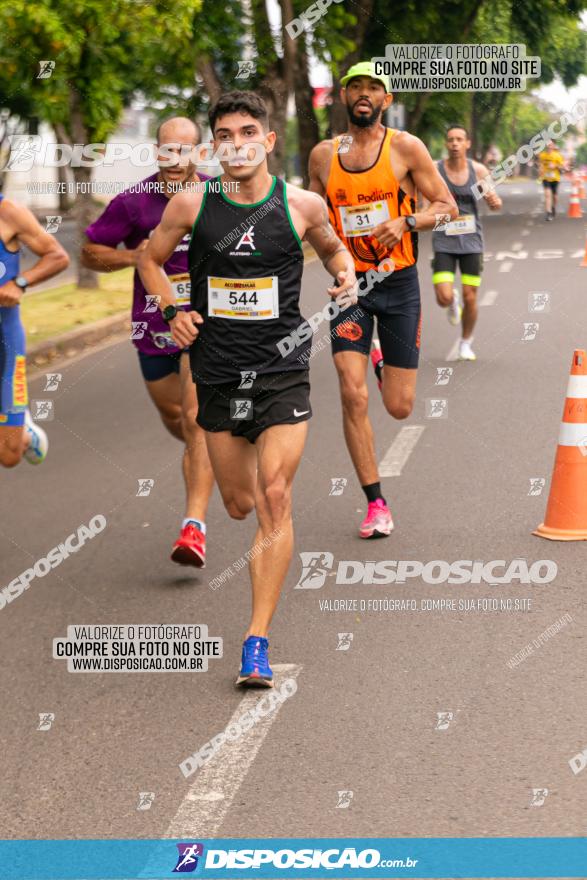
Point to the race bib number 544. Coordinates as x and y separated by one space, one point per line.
243 299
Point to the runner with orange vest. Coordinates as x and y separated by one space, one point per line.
370 178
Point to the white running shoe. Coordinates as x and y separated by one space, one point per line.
454 312
466 353
36 452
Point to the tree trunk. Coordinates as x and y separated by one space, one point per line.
476 110
83 209
83 212
275 93
64 178
414 117
362 9
212 84
276 85
308 132
481 128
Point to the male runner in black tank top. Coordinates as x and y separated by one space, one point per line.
246 266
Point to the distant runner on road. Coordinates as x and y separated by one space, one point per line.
19 435
246 266
370 177
130 219
550 164
461 241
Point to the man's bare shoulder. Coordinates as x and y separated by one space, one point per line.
323 149
321 156
184 205
17 215
310 204
480 169
407 144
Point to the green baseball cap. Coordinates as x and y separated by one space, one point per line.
365 68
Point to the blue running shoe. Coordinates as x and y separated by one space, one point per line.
255 669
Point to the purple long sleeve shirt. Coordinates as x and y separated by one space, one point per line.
129 219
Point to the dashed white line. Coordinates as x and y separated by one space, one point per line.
400 450
525 232
489 297
517 246
215 785
506 266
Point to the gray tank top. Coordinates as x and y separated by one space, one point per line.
470 242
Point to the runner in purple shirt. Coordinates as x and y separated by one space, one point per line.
129 219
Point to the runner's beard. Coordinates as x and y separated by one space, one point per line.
362 121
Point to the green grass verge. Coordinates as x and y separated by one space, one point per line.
50 313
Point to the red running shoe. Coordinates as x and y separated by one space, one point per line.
190 547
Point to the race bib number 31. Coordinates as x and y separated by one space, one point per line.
243 299
362 219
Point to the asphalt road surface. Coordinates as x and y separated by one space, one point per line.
420 718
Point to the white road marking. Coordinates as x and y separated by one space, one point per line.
525 232
400 450
517 192
215 785
489 297
453 354
517 246
506 266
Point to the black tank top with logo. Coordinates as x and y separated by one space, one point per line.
246 266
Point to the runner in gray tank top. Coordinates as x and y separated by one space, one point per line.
461 241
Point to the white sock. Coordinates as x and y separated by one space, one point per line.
198 524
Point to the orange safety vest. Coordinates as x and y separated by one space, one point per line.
351 195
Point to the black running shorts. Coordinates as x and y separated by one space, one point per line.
255 403
444 267
395 303
159 366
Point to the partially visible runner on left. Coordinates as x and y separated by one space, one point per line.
129 219
19 435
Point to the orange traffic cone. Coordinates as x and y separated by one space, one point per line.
574 203
566 511
584 263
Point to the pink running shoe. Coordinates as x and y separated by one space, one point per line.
377 361
190 547
378 522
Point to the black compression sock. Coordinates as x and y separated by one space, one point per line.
373 492
378 367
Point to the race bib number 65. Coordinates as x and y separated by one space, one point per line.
181 287
243 299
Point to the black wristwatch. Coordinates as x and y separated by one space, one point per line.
410 222
21 282
169 313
